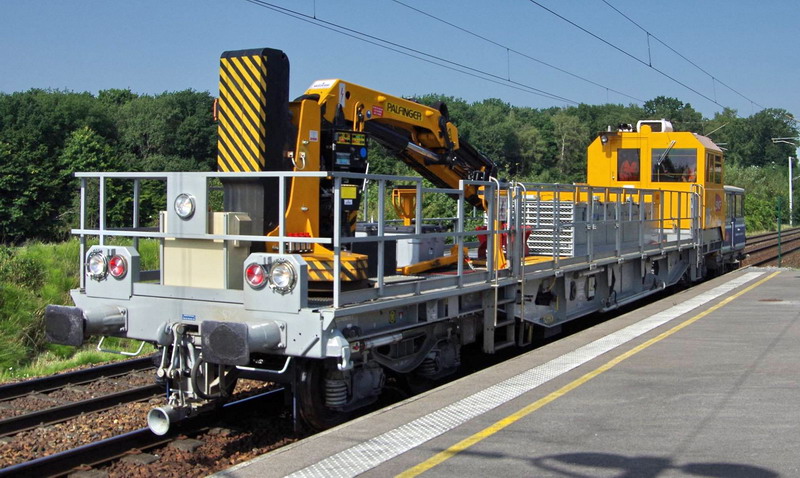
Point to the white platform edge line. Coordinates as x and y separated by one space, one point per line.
371 453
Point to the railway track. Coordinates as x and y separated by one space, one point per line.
105 451
762 249
78 377
86 402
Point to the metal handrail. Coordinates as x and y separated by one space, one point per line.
518 196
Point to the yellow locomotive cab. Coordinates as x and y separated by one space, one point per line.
653 156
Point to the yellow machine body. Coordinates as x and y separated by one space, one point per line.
666 160
259 130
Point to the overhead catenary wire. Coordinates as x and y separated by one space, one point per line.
509 49
411 52
650 34
626 53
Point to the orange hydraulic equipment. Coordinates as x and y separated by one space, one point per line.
325 129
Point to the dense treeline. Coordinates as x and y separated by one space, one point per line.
46 136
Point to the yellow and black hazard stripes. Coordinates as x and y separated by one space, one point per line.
320 268
242 113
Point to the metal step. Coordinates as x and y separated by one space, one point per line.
504 323
503 345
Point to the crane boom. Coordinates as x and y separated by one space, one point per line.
325 129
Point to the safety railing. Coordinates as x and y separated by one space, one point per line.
597 222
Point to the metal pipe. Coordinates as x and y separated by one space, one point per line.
423 152
460 230
82 248
381 227
136 187
282 214
102 207
160 419
337 245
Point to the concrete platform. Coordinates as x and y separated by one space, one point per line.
703 383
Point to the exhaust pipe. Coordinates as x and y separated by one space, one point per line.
159 419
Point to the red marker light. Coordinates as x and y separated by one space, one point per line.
255 275
117 267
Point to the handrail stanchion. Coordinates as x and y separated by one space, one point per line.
82 248
282 214
381 227
619 224
102 208
641 221
522 226
418 211
460 231
337 245
680 218
661 220
491 228
592 226
557 225
136 187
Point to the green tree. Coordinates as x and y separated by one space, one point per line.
157 129
34 127
749 140
571 137
85 150
682 115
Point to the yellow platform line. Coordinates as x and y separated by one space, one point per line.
527 410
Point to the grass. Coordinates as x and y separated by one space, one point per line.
31 277
50 362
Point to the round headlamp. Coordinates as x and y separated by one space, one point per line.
96 265
282 277
184 206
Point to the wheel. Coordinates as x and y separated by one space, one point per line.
310 395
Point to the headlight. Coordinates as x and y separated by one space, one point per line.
184 206
96 265
282 277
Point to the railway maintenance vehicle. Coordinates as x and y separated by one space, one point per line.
280 280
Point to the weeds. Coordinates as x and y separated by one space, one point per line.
31 277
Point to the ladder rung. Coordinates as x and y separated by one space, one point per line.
503 345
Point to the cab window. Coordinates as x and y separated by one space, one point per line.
730 204
674 165
628 165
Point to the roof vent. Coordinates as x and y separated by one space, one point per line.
656 126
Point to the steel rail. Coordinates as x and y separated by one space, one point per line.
771 236
784 242
54 382
64 412
773 258
105 451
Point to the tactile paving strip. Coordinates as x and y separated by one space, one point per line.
373 452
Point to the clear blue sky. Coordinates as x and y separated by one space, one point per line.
154 46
